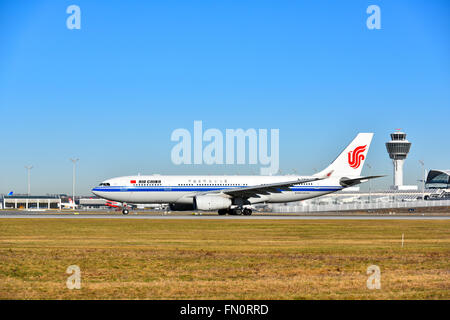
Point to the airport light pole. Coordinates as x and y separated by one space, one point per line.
370 180
74 161
423 181
28 174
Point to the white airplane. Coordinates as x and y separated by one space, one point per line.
68 205
237 194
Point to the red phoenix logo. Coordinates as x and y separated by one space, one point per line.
355 157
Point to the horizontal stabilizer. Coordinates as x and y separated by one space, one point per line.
346 182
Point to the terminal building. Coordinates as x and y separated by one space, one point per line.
438 179
61 201
31 202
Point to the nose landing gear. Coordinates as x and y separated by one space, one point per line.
125 211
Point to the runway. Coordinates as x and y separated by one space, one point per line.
210 217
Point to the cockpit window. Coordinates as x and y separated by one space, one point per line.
105 184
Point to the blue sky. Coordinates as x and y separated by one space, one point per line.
112 93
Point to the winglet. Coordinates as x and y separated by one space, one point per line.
346 182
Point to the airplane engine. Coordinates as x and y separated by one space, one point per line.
211 202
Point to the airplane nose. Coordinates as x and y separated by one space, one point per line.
94 192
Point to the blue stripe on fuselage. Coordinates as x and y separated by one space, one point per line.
200 188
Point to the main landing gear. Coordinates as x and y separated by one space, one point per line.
235 212
125 211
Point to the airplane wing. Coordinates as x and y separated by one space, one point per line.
351 182
263 189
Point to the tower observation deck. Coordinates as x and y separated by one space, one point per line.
398 149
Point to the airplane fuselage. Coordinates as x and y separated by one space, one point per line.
180 189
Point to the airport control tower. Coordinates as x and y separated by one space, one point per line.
398 149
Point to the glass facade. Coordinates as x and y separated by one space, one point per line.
398 136
438 179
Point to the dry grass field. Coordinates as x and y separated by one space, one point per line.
223 259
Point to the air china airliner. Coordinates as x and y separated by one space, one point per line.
236 195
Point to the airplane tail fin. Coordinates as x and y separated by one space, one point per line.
350 162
